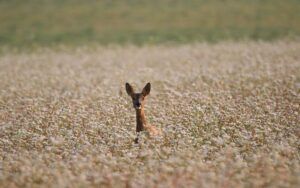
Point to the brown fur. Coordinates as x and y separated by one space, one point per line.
138 100
141 124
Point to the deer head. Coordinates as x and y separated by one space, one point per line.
138 99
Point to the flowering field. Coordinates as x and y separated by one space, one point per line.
229 113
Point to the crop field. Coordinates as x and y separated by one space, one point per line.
229 113
76 22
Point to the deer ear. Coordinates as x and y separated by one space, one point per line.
129 89
146 89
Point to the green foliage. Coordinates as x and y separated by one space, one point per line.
47 22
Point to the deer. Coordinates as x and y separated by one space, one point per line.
138 101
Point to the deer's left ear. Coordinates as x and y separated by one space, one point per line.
129 89
146 89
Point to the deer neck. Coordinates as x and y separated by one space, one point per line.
140 120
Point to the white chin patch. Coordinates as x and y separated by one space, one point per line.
137 108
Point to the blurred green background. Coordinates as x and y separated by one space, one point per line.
77 22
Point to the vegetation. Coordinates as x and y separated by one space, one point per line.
229 113
74 22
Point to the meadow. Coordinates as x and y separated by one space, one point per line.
34 23
229 112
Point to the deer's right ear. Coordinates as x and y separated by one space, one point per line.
146 89
129 89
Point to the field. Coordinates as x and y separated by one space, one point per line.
75 22
229 112
225 78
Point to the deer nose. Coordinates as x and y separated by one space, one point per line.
138 104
